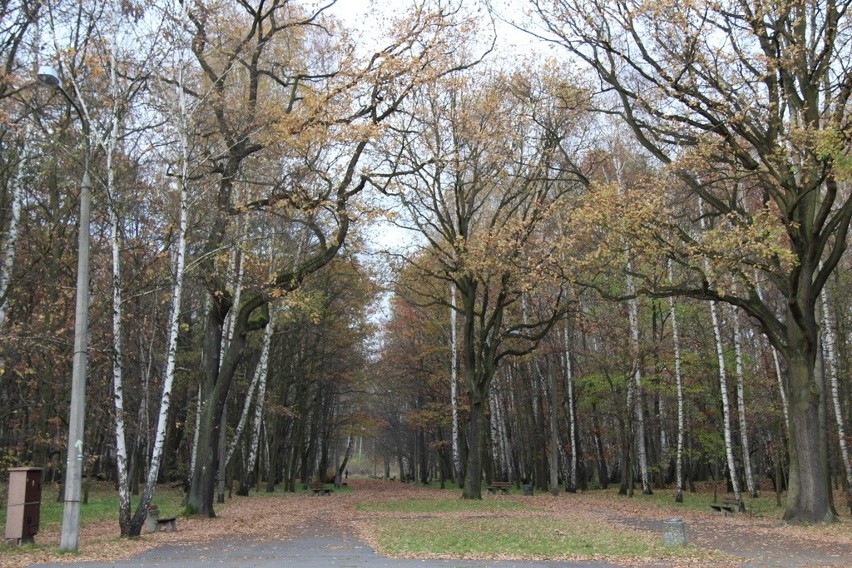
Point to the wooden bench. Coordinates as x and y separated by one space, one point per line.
728 505
320 489
496 486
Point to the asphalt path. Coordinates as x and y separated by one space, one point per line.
315 547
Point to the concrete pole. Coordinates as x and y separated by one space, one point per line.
49 77
77 413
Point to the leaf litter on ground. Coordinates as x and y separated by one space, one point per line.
366 512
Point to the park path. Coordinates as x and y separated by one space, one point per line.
328 531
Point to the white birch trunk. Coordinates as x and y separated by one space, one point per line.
726 407
193 455
665 450
254 445
723 383
572 420
636 378
780 379
11 242
833 375
679 387
259 377
738 350
235 281
177 293
496 445
117 309
117 331
554 433
454 376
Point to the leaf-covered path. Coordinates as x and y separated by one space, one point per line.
312 531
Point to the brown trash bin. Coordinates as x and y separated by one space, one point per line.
23 509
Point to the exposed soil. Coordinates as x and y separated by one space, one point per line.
755 541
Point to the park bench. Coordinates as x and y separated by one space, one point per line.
155 523
499 486
728 505
169 524
320 489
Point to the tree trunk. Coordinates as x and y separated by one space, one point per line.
726 407
738 350
571 482
833 377
679 387
636 379
603 467
216 383
10 244
341 470
473 479
626 485
124 505
554 434
221 451
454 379
260 375
808 496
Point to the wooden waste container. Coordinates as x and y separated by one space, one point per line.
24 505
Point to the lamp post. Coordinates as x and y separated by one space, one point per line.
74 465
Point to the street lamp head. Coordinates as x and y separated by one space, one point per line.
47 75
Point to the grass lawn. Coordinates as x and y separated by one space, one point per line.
763 506
102 504
438 505
449 527
521 538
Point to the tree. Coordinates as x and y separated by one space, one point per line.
485 192
746 103
295 101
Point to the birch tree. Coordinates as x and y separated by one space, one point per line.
726 404
828 333
679 393
454 377
634 385
741 408
131 522
11 234
571 482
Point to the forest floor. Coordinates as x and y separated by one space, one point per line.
742 539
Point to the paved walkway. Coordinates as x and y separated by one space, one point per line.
316 547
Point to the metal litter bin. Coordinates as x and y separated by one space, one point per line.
23 509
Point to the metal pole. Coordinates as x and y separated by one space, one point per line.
74 464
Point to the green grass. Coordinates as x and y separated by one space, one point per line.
439 505
516 537
763 506
102 505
